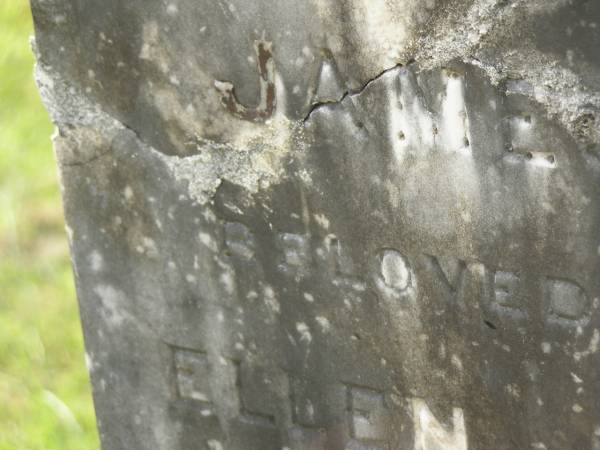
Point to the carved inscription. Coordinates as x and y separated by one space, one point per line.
313 416
394 277
296 254
192 372
431 435
267 102
369 418
239 240
506 294
565 302
313 426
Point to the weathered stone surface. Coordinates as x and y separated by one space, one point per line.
332 225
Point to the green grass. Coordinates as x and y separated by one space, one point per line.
45 398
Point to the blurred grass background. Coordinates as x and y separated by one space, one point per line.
45 398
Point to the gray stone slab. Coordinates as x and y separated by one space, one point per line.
332 225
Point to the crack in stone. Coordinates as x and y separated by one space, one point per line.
350 92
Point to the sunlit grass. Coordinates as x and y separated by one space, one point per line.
45 399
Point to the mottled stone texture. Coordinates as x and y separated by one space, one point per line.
332 225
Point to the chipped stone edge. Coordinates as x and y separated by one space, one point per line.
257 165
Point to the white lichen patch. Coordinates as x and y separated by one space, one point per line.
592 346
271 301
227 280
546 347
457 362
322 220
213 444
323 323
96 261
190 278
304 332
113 303
208 241
308 297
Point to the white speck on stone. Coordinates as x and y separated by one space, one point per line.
592 347
305 176
208 241
227 281
270 300
172 9
190 278
576 379
304 332
308 297
456 362
310 410
322 221
149 247
577 408
213 444
513 390
96 261
323 323
112 304
128 192
546 347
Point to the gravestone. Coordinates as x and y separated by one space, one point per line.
326 225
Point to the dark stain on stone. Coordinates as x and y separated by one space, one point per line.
268 100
